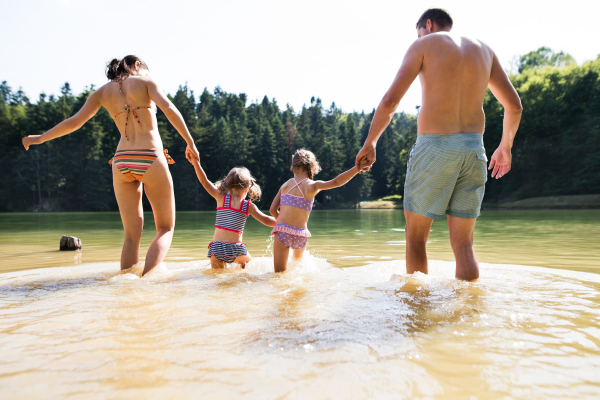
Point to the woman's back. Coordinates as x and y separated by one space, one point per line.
128 102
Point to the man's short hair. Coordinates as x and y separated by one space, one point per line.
438 16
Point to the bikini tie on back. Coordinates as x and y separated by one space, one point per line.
127 109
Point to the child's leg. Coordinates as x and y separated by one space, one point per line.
280 255
216 264
243 260
297 254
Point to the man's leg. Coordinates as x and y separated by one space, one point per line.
461 239
417 232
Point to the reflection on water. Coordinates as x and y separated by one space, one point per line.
566 239
316 331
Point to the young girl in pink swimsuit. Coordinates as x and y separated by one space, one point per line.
232 211
293 203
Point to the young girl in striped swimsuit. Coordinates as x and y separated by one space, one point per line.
292 211
232 211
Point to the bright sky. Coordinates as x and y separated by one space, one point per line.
345 51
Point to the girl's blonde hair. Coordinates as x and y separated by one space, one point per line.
305 160
240 178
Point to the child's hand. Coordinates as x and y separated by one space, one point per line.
365 158
191 153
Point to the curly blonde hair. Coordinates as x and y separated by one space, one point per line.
240 178
305 160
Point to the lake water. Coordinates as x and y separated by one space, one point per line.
344 322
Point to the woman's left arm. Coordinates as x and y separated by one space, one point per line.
89 109
260 217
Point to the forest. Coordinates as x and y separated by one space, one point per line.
556 151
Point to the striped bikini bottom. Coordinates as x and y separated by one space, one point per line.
227 252
133 163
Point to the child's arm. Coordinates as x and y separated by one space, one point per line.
274 210
208 185
338 181
260 217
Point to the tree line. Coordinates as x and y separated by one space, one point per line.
556 150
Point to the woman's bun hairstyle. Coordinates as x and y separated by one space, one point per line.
117 69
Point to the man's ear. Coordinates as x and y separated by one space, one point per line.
429 26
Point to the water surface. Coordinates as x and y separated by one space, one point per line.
344 322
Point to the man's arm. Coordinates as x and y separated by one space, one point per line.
506 94
410 68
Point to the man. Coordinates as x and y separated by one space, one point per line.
446 171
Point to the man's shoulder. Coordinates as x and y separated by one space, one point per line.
446 39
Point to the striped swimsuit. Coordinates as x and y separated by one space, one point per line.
133 163
234 220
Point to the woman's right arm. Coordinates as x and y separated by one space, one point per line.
89 109
208 185
174 117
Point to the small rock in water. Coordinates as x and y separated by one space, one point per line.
70 243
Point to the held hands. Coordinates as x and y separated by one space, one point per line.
365 158
501 161
31 139
191 153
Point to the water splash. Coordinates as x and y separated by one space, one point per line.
313 332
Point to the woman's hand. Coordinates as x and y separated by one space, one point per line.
31 139
191 153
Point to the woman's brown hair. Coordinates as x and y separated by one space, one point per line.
240 178
305 160
117 69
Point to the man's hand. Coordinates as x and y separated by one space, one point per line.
29 140
365 158
191 153
501 161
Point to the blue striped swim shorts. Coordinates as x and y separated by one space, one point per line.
446 174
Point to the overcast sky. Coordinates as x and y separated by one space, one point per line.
344 51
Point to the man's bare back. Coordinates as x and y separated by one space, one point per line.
454 78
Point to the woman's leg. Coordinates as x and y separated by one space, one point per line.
280 255
129 199
158 186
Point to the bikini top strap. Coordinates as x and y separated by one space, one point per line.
297 185
120 80
226 201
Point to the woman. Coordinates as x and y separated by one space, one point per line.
130 98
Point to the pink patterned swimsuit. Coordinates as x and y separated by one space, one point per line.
291 236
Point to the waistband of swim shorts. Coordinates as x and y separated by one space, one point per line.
464 138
